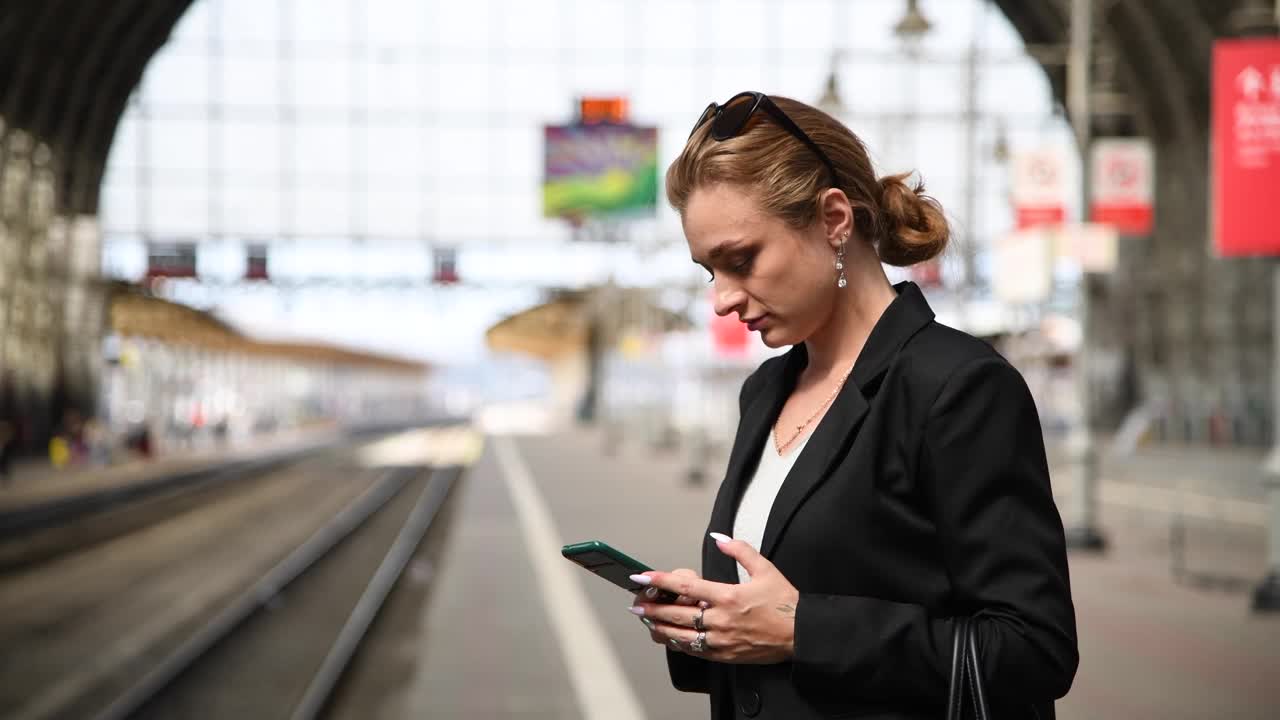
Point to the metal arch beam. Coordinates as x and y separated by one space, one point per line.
29 57
1198 30
1168 105
1166 108
1137 51
9 24
48 86
53 84
13 90
1216 14
11 42
1182 76
94 63
1039 23
108 105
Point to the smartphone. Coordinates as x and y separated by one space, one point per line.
612 565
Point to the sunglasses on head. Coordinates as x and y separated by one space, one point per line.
729 119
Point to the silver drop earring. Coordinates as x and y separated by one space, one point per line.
841 281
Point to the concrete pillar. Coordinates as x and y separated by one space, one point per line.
1266 597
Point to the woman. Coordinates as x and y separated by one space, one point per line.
888 473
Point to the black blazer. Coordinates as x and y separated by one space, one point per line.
923 494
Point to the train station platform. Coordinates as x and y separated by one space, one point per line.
509 629
36 481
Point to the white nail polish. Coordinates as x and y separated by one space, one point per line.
641 579
651 593
721 537
637 610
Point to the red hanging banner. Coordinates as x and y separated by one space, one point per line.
1246 147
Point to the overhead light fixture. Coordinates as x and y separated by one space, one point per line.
913 25
1000 147
830 102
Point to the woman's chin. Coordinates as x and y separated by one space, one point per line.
774 338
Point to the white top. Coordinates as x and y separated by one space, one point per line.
757 499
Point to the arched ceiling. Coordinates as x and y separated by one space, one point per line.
1162 52
67 68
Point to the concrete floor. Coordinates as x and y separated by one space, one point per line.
477 628
1150 647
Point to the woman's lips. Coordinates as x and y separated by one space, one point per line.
756 323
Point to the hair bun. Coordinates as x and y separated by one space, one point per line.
913 226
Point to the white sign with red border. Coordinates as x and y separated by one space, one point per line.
1122 184
1040 187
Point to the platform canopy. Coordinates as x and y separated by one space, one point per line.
562 325
134 313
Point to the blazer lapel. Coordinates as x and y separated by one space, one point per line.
904 317
829 441
908 313
753 432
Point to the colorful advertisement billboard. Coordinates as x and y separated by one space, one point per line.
600 170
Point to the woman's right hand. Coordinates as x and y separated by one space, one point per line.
644 596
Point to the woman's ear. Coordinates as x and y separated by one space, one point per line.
837 215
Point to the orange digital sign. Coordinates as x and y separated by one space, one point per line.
592 110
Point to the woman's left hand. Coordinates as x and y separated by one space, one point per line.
751 623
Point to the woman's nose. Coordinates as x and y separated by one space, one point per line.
727 299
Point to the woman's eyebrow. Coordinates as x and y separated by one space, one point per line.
720 249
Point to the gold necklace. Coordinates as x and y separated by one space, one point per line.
800 428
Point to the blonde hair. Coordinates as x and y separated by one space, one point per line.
785 177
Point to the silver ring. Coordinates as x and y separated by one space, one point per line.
699 643
697 620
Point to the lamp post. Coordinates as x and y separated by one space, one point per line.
1082 533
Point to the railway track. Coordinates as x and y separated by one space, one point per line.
253 611
46 531
281 648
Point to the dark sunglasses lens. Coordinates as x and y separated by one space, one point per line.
706 115
733 117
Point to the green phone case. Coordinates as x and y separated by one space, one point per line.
622 558
611 564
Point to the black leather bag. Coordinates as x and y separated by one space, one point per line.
966 676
